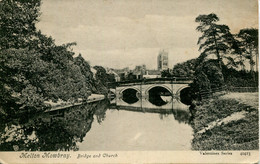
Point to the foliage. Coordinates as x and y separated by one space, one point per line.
213 72
239 58
102 79
207 77
201 83
242 78
28 80
230 51
86 71
216 39
166 73
185 69
18 92
17 22
130 76
33 68
249 41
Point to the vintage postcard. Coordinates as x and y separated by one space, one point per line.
129 81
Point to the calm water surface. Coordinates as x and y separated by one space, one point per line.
126 130
100 126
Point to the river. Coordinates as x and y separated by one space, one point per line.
100 126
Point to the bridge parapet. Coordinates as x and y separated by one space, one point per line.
155 82
152 81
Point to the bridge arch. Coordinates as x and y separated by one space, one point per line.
158 85
156 90
181 88
159 94
130 95
130 87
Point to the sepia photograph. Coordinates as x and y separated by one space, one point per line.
96 80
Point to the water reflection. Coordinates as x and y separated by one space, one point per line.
100 126
140 126
57 130
181 115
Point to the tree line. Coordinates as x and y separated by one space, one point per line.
223 57
229 49
34 69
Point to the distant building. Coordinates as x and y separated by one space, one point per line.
162 60
139 71
122 73
150 74
111 71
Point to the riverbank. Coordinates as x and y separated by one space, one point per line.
229 122
63 104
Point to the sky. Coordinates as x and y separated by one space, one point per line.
126 33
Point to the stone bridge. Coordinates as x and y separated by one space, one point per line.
143 91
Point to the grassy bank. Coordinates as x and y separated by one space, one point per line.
240 134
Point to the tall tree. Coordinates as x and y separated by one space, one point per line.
249 39
238 50
215 39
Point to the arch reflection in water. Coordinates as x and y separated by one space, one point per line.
182 115
53 131
186 95
159 96
132 127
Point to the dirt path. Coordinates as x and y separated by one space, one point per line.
232 117
249 98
